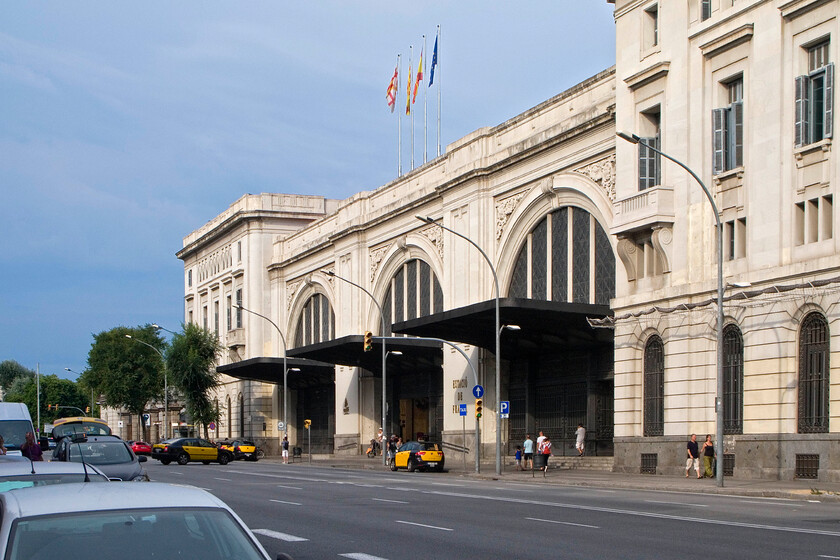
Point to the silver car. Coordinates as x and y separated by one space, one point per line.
110 454
153 521
20 472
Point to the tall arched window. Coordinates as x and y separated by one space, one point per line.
414 292
654 388
813 374
316 322
733 380
567 257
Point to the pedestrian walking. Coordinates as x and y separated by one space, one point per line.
545 451
708 452
692 456
518 457
285 450
528 452
580 437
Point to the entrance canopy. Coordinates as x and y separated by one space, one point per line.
270 370
349 351
544 325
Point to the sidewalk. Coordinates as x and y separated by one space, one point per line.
788 489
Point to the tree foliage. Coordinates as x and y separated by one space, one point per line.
10 370
127 372
190 361
54 391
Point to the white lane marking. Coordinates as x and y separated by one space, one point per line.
361 556
788 504
824 556
225 479
426 526
562 523
302 478
447 484
176 472
289 487
280 536
676 503
390 501
520 501
282 502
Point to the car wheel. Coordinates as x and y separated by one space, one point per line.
224 459
393 466
260 454
411 466
183 459
165 461
206 462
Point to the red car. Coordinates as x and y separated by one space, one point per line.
140 447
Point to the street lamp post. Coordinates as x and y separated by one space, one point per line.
498 333
165 386
91 391
285 367
384 353
634 139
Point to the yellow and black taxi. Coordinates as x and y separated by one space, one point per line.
186 449
242 449
418 455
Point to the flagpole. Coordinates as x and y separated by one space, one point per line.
425 88
411 112
438 90
399 121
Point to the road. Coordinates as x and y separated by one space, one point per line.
320 512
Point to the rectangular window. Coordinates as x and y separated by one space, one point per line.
652 26
204 318
228 313
826 219
238 309
705 9
239 251
189 278
190 317
728 130
814 106
216 316
649 160
799 223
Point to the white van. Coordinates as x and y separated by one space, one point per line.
15 421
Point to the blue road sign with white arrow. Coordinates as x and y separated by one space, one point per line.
478 391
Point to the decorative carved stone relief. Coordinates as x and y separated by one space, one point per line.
435 235
627 253
603 173
661 239
291 290
330 278
376 258
504 208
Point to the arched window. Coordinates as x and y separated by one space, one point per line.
654 388
414 292
568 239
813 374
733 380
316 322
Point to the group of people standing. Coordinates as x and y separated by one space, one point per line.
527 450
693 454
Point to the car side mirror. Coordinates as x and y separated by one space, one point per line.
142 459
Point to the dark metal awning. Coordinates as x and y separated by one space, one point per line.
349 351
545 325
270 370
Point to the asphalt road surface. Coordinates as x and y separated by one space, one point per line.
321 512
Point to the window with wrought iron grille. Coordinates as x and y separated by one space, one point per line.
316 322
414 292
654 388
733 380
728 130
813 374
814 101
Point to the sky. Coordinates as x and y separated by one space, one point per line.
124 126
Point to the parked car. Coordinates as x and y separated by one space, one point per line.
20 472
140 447
110 454
243 449
418 455
125 521
184 450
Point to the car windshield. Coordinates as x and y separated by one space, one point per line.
209 534
90 427
100 453
29 480
429 446
14 432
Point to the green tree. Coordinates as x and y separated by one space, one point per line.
10 370
127 372
65 393
190 361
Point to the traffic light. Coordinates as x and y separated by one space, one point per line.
307 423
478 405
49 407
368 345
87 410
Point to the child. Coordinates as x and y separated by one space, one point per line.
518 457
